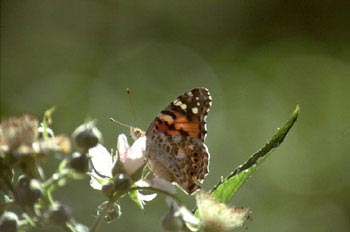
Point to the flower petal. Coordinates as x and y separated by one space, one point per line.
191 222
101 160
157 183
122 147
96 182
134 158
146 197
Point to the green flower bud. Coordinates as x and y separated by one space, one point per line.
28 191
87 136
172 222
108 189
59 214
122 182
79 162
8 222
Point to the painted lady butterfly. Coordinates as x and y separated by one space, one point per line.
175 140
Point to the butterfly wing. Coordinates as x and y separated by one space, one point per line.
175 140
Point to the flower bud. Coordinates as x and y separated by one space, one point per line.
87 136
122 182
179 218
79 162
172 222
28 191
108 189
59 214
8 222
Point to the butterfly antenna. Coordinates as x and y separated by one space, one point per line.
130 102
120 123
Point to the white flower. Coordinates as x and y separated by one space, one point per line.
132 158
219 216
157 183
179 218
102 162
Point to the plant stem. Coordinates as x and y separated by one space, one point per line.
29 219
100 216
105 210
55 178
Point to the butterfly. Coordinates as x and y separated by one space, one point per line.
175 146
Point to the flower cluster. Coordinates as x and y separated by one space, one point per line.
24 145
120 172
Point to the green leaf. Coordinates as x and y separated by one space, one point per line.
134 196
226 188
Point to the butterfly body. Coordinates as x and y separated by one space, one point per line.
175 146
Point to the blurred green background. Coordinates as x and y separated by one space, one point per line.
258 59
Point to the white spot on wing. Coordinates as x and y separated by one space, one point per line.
168 119
177 102
195 110
183 106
